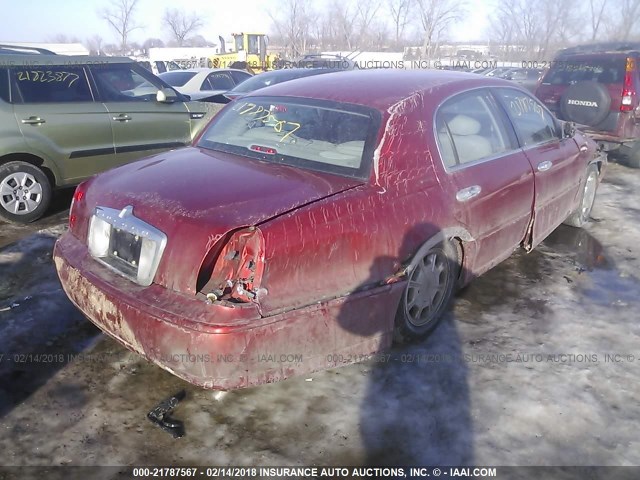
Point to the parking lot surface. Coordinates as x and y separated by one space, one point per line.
536 364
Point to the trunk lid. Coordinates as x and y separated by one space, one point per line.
196 196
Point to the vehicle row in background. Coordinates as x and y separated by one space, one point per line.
205 83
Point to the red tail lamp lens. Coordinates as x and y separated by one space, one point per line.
78 196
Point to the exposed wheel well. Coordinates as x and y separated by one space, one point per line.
33 160
458 244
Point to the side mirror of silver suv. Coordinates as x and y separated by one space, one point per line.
166 95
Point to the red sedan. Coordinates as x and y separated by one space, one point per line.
315 221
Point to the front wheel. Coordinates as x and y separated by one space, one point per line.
25 192
580 216
426 296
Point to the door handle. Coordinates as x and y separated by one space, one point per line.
33 121
584 148
468 193
123 117
544 166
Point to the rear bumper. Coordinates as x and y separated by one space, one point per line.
225 347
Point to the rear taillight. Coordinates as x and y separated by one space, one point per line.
238 270
76 201
628 89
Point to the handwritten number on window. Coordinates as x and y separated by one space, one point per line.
47 76
268 117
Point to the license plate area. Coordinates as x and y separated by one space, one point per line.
124 250
126 244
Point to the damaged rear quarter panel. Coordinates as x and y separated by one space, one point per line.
359 238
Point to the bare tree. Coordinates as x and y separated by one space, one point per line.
344 20
435 17
119 15
596 15
293 25
95 45
379 35
503 29
534 29
181 24
399 10
628 11
151 43
200 41
366 11
63 38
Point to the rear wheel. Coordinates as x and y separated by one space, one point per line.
25 192
632 158
580 216
427 293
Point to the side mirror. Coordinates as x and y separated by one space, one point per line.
568 130
166 95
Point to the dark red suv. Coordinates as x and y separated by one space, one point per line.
596 86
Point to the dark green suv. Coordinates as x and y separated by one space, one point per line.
65 118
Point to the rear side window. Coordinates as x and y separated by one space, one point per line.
601 70
4 84
239 77
177 79
469 128
531 120
217 81
52 84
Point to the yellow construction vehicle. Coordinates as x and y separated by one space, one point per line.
249 53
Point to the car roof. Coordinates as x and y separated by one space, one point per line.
208 70
593 55
291 72
30 59
599 49
380 89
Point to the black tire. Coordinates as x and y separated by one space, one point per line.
580 216
632 158
25 192
411 322
586 103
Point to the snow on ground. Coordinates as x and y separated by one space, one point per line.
516 375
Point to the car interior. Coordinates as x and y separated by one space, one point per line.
468 131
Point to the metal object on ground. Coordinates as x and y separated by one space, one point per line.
160 415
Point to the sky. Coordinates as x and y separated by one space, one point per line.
40 20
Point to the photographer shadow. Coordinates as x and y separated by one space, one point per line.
416 409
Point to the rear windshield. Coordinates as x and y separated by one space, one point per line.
177 79
318 135
601 70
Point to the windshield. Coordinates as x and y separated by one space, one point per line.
318 135
176 78
601 70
